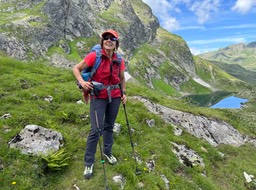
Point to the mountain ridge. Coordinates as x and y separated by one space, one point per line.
62 32
241 54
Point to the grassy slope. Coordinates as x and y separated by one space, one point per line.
21 81
216 76
234 54
238 72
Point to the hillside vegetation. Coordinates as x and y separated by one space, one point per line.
238 72
23 87
241 54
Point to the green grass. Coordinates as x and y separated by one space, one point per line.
163 87
23 87
219 79
245 56
111 15
141 12
238 72
193 87
21 15
76 53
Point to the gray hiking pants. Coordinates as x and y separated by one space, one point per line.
106 113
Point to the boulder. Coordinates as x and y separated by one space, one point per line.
37 140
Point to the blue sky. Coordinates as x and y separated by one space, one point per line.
207 25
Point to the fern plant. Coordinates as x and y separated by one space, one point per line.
57 160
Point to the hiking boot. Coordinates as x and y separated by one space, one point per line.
111 159
88 172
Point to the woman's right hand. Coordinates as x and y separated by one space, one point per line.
77 69
86 85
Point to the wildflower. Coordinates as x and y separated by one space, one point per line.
14 183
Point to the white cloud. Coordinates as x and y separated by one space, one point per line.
165 9
243 6
213 41
204 9
180 15
161 10
235 26
209 45
192 28
196 51
171 24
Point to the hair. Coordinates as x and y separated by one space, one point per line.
117 44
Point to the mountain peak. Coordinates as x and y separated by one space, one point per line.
252 45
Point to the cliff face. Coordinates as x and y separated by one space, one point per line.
30 29
85 18
37 25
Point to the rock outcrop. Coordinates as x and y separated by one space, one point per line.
212 130
187 156
37 140
68 20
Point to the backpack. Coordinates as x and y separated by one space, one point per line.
88 73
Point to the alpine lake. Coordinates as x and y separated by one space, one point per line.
219 99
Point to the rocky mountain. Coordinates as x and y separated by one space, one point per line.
61 32
241 54
30 28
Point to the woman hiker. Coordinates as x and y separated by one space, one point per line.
104 104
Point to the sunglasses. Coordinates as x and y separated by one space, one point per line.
109 37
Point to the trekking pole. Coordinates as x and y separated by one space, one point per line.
101 152
137 171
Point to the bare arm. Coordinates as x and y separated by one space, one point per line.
77 69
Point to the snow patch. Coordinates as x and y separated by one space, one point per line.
127 76
200 81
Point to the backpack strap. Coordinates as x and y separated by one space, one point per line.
119 57
96 63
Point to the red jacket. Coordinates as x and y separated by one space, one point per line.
107 73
